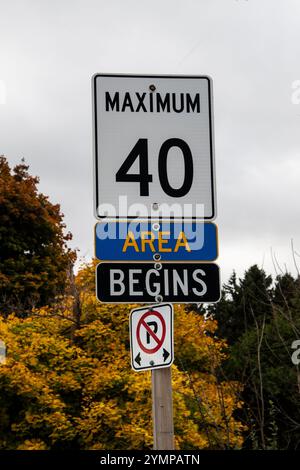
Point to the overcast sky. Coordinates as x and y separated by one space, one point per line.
49 49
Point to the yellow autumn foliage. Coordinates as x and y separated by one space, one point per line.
67 383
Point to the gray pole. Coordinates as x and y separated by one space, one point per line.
162 409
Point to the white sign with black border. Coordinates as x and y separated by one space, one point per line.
151 337
153 146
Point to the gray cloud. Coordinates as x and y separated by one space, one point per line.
49 51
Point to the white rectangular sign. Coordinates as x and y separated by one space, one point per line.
151 337
153 138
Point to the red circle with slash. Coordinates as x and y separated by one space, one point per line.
158 340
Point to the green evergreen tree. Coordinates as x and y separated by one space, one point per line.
243 302
260 321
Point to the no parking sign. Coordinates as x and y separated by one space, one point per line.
151 337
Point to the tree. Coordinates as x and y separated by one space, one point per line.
34 257
261 319
67 382
242 303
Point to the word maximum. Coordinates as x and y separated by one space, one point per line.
152 102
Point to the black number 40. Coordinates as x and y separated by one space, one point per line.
144 178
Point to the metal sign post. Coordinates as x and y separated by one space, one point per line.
162 409
151 345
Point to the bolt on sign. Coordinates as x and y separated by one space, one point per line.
153 145
151 337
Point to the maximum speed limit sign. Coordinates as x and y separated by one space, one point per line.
153 138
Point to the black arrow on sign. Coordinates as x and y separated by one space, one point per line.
138 359
166 354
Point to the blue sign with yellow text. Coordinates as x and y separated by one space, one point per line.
156 241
